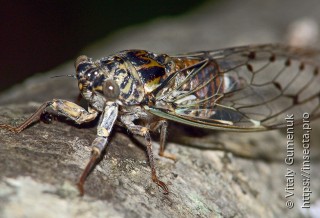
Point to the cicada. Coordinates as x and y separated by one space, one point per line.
249 88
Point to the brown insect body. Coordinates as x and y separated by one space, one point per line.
249 88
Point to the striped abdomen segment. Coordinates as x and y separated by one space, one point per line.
200 88
200 82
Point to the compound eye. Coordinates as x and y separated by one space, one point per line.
80 59
111 89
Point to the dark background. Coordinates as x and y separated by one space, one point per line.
39 35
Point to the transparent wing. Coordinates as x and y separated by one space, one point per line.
243 88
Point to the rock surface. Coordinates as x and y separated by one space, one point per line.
217 174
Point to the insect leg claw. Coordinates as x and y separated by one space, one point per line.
95 155
168 155
161 184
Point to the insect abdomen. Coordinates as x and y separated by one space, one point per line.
204 82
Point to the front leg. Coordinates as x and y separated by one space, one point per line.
127 120
105 126
61 107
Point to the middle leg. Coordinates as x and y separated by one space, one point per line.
127 120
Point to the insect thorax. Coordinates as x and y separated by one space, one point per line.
137 72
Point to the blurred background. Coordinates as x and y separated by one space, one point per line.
38 36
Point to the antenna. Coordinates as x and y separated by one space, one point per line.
68 75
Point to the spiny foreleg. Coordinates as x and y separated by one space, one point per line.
58 107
